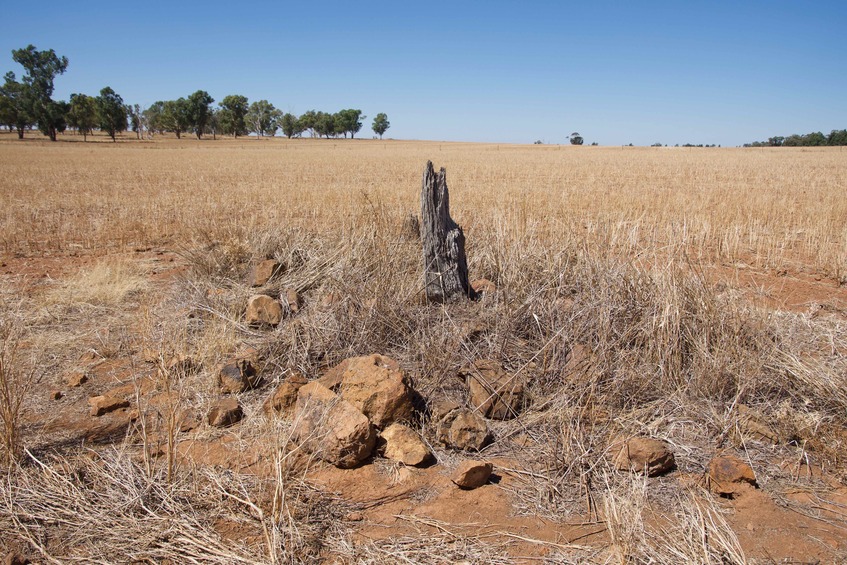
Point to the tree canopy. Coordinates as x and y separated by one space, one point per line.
111 112
41 68
199 111
380 124
263 118
29 102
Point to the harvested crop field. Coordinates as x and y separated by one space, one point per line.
661 350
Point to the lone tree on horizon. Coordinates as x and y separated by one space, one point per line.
380 124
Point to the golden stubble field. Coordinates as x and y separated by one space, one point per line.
775 209
694 296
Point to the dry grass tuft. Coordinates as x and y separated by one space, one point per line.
109 283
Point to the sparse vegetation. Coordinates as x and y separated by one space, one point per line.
634 318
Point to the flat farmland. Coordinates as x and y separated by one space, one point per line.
692 297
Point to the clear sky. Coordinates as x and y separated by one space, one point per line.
723 72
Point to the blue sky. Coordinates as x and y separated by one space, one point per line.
617 72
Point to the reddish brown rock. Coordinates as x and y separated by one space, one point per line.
729 475
264 271
463 429
493 392
283 399
263 310
331 428
472 474
483 286
237 376
75 379
225 412
377 387
290 299
103 404
55 394
643 455
401 443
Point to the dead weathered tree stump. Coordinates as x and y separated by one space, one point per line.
445 263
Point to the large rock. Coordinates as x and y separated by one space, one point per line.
401 443
472 474
728 475
283 399
492 391
264 271
332 428
263 310
237 376
464 429
225 412
377 387
104 404
643 455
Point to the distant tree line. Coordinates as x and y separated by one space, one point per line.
815 139
28 103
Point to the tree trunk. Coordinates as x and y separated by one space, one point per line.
445 263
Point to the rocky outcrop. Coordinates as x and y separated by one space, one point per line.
375 385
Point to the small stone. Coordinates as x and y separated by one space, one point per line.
238 376
643 455
472 474
75 379
225 412
463 429
483 286
284 398
264 271
55 394
401 443
103 404
290 298
263 310
728 475
493 392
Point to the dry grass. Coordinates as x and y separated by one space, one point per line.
602 306
766 208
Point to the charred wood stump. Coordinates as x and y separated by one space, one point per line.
445 263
